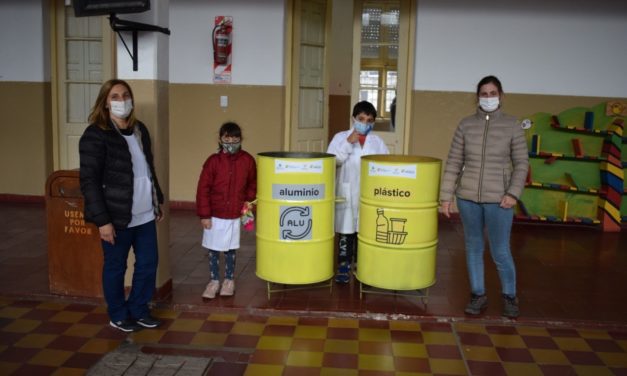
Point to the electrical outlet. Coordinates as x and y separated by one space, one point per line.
224 101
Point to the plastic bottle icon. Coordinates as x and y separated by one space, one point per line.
383 226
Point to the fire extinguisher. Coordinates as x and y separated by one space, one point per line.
221 37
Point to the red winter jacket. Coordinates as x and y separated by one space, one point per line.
225 183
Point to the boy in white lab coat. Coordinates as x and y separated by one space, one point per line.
349 146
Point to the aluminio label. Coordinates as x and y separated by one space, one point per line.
298 191
398 171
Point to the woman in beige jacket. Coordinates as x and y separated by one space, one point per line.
486 170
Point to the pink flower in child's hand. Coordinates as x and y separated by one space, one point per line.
249 226
248 218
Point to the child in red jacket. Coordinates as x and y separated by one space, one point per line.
227 184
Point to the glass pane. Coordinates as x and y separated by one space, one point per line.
389 25
370 24
392 52
369 78
379 58
371 96
370 52
390 95
390 79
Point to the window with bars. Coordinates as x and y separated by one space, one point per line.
379 55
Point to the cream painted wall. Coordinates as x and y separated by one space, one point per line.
195 118
436 115
258 40
24 29
25 155
559 47
341 62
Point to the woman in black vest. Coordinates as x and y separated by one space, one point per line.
123 198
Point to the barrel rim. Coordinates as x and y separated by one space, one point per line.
295 155
400 158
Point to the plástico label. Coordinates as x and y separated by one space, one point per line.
298 192
309 167
396 171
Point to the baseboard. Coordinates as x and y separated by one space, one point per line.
182 205
164 292
21 199
34 199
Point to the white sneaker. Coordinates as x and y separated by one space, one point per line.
228 288
211 289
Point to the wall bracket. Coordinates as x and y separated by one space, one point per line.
119 25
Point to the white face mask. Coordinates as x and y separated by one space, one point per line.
121 109
489 104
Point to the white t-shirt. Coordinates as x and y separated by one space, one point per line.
142 211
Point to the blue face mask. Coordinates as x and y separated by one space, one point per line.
363 128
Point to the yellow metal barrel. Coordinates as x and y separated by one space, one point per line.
295 212
398 221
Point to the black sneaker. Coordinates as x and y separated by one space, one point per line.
126 326
510 306
148 322
477 304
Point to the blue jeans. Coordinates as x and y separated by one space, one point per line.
143 239
214 264
498 222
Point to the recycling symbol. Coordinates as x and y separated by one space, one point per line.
295 223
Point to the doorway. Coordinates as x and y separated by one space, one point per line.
308 98
83 59
341 52
381 71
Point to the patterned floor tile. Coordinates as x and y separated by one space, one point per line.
69 339
50 357
304 359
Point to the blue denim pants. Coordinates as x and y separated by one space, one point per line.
143 239
498 223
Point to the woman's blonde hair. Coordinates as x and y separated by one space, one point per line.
100 112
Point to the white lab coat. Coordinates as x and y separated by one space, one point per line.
348 161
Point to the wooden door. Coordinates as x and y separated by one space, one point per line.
84 58
308 120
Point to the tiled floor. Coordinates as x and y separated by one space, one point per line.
42 337
571 283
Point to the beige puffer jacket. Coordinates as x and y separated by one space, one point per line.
488 159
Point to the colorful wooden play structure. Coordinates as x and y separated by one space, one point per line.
578 164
